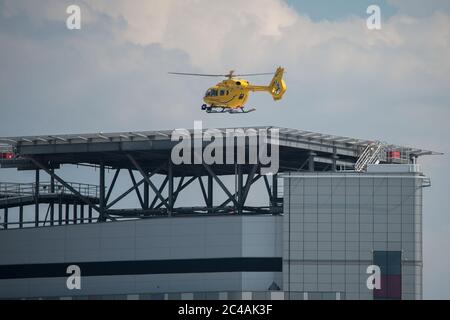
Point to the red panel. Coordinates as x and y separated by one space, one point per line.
394 154
7 155
391 288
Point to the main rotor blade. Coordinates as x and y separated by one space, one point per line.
197 74
254 74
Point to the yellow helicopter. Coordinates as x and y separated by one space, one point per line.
231 95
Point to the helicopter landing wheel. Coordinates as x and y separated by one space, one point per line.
204 107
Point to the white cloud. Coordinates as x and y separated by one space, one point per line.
216 36
208 31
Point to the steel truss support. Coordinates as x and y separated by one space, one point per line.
123 195
154 199
220 183
147 179
180 188
136 188
113 183
250 181
202 187
269 190
66 185
161 189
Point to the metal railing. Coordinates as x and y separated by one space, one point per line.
6 148
373 154
45 188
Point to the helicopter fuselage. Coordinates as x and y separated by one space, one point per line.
231 93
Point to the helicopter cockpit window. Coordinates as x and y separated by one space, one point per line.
208 93
222 92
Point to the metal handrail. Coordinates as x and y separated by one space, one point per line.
45 188
6 148
373 153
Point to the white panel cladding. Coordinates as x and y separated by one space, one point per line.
338 220
154 239
262 236
158 239
113 285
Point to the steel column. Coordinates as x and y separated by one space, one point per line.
239 190
311 161
210 203
90 214
334 158
146 195
52 206
274 190
67 214
81 213
75 214
21 217
145 176
171 196
36 199
60 213
220 183
5 218
102 198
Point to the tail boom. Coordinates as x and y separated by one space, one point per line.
276 88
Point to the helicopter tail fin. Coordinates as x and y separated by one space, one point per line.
278 87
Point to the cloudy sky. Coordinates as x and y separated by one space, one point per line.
391 84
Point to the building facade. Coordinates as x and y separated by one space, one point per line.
337 225
334 226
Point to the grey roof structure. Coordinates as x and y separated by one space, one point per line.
149 154
152 146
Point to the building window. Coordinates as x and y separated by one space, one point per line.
390 263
